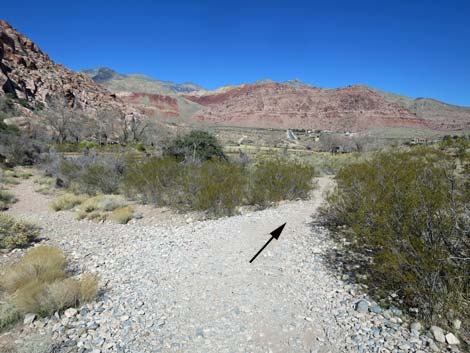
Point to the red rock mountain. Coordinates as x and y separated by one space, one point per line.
30 75
352 108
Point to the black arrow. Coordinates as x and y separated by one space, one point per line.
274 235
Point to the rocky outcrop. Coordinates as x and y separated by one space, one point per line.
153 105
28 75
352 108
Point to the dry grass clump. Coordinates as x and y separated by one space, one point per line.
45 185
66 202
16 233
103 203
100 208
18 173
122 215
6 198
39 283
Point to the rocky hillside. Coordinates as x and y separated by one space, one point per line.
29 76
353 108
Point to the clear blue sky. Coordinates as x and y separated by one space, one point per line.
416 48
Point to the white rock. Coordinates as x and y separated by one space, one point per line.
438 334
71 312
415 326
451 339
457 323
29 319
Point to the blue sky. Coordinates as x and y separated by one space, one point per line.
416 48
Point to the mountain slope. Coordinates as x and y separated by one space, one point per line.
440 115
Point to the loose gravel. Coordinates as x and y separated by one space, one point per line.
173 284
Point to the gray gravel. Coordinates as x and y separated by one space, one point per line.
188 286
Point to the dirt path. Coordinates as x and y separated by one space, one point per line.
174 286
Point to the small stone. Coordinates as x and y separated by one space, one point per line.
434 347
376 309
124 318
404 346
71 312
415 326
438 334
451 339
457 323
199 332
29 319
362 306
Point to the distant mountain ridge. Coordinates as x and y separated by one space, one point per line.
29 76
117 82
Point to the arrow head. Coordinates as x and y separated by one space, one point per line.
277 232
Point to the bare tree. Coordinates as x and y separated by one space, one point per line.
105 124
134 128
60 116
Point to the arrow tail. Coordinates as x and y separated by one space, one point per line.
265 245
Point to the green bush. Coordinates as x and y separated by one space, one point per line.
90 174
140 147
15 233
274 180
88 144
8 128
195 146
217 187
407 216
159 181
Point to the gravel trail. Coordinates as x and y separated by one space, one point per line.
175 285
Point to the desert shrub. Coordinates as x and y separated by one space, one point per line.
18 150
45 185
213 186
195 146
103 203
97 208
88 145
42 264
406 215
66 202
159 181
39 283
140 147
90 173
9 315
122 215
216 187
8 128
16 233
274 180
6 198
